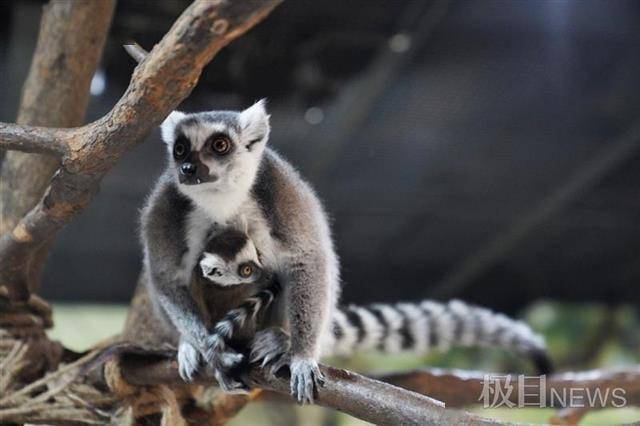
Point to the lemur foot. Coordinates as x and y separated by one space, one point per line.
306 378
222 360
228 384
189 360
270 347
218 354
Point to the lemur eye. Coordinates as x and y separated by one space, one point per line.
245 270
180 148
221 145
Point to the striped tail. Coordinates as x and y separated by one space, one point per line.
253 306
429 326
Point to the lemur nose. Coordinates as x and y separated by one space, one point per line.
188 169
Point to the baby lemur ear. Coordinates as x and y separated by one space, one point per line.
254 124
168 126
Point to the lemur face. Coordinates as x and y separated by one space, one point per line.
230 258
215 149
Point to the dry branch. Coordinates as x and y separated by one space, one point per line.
367 399
33 139
55 94
159 84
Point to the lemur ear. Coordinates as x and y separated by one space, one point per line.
168 126
254 124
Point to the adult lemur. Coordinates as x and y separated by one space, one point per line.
219 172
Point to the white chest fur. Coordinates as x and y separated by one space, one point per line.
198 225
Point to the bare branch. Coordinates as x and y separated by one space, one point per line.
136 51
55 94
158 85
351 393
33 139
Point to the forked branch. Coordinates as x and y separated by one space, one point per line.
159 84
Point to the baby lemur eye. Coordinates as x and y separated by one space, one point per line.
245 270
180 148
221 145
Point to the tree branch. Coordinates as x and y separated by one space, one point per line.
351 393
159 84
33 139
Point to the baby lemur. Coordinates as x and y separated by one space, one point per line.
220 173
230 263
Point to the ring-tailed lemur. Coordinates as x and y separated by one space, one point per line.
391 328
220 169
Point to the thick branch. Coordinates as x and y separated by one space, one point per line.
55 94
351 393
159 84
33 139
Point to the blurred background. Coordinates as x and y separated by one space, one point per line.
481 150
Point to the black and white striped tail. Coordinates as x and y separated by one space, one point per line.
253 306
431 326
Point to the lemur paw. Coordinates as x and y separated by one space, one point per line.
229 384
189 360
270 347
306 378
222 359
219 355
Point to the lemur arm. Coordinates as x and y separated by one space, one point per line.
182 310
307 298
163 230
306 294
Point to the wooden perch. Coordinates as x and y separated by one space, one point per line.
158 85
387 399
367 399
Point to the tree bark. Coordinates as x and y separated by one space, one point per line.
159 84
55 94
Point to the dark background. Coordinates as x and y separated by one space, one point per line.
485 150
